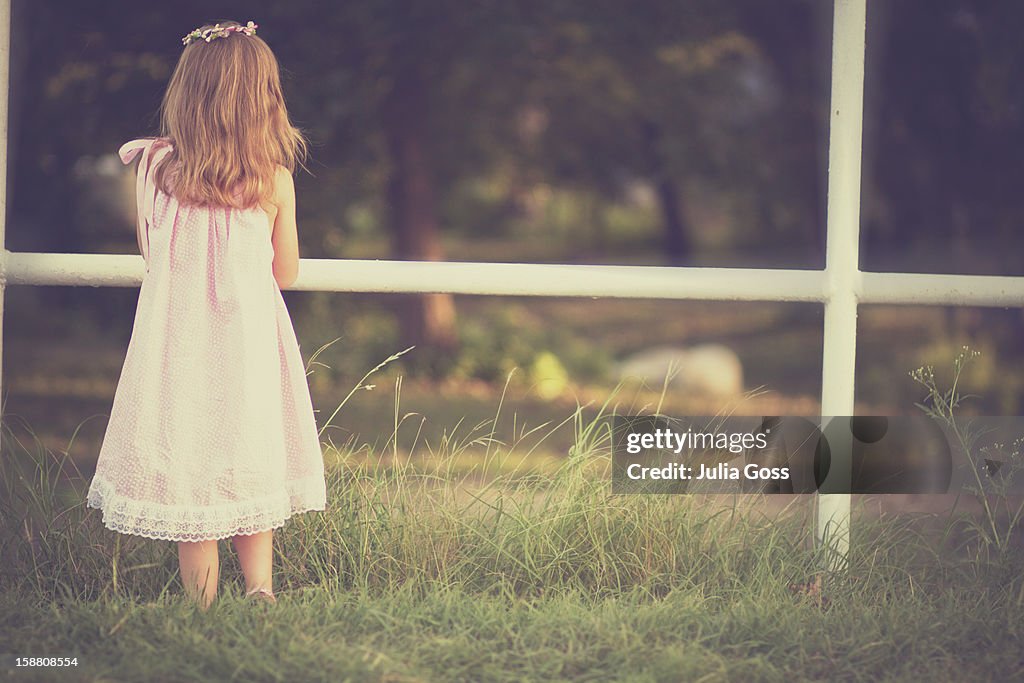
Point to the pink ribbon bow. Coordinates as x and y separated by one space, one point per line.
145 188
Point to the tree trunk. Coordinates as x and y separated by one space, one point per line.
677 239
677 243
427 320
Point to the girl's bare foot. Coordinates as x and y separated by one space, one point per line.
262 595
255 555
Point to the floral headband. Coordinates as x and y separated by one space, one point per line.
218 31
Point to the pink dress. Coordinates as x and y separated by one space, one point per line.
211 433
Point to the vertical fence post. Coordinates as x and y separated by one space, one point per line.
5 80
842 264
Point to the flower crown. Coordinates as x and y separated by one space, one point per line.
218 31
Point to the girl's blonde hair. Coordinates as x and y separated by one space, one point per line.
225 116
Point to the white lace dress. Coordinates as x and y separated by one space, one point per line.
212 432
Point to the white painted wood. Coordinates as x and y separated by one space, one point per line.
846 115
507 279
528 279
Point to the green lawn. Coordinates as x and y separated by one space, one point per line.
714 631
507 571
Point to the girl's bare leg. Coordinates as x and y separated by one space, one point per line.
256 556
200 570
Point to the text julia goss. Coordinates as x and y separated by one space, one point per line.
667 440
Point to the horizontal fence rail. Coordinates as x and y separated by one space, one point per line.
941 289
552 280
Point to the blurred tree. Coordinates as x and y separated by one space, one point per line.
86 79
655 91
945 135
394 62
795 38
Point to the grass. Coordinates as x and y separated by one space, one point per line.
426 569
451 633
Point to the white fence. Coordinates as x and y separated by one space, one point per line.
841 286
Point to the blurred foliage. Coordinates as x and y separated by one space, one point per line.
526 101
506 338
944 123
496 341
566 130
533 100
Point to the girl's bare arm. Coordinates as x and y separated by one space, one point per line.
285 236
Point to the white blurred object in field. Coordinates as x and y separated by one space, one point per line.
705 369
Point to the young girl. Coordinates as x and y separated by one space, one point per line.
212 434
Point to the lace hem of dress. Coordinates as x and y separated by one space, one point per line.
197 524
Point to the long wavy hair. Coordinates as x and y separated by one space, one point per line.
224 114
